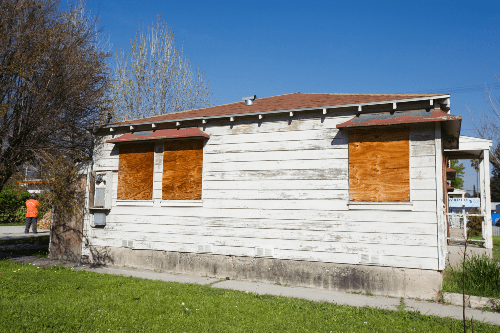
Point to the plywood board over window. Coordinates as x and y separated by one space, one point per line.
135 171
379 165
182 170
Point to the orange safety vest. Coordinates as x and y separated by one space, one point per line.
31 210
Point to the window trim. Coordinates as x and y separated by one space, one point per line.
182 203
145 203
387 205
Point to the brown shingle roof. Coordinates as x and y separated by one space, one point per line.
281 102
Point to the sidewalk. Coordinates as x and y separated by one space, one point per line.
316 295
17 232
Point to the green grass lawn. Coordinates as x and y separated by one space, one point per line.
37 299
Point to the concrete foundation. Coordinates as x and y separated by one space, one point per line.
398 282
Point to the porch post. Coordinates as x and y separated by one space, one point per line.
440 197
484 177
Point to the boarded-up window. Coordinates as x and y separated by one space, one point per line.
135 171
182 170
379 165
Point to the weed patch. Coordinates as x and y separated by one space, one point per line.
482 277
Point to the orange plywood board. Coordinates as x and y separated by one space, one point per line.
135 171
379 165
182 170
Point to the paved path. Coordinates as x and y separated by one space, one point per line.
17 232
317 295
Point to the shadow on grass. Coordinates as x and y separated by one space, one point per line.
31 246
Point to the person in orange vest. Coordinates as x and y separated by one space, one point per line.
31 214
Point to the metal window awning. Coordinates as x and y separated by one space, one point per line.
450 124
180 133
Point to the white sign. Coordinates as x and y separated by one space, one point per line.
468 202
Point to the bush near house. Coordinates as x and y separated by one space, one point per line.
474 223
13 206
11 203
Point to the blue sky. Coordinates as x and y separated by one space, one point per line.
269 48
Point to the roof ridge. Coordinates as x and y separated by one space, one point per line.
352 94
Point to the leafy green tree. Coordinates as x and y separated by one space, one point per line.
459 168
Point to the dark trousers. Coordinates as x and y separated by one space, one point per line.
30 220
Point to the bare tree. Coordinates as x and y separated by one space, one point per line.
488 126
155 77
53 83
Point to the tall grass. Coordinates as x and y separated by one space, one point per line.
482 277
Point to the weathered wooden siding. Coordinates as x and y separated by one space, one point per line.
284 185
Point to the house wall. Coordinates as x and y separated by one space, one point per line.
282 184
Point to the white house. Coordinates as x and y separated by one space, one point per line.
335 191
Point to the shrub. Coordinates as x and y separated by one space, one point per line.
474 223
13 205
482 277
11 201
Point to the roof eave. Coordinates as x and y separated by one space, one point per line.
359 105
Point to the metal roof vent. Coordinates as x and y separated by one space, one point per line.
249 99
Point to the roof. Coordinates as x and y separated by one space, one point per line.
398 118
189 132
288 102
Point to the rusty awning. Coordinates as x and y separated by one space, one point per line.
190 132
398 118
450 124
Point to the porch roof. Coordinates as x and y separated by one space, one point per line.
469 147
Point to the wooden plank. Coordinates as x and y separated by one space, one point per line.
424 206
412 228
393 216
341 258
422 173
283 244
277 156
422 150
276 124
441 195
423 161
135 174
276 146
303 174
276 194
423 195
424 184
379 165
303 235
182 170
277 204
277 165
276 136
91 188
327 184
